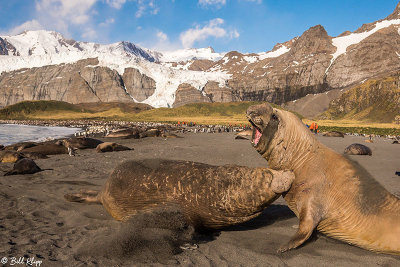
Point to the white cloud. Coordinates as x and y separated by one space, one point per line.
107 22
256 1
116 3
211 29
89 33
216 3
65 11
162 36
31 25
146 6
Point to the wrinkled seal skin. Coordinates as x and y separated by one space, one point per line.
209 196
330 192
357 149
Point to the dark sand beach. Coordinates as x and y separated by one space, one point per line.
36 221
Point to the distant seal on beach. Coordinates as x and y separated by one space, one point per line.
395 142
330 192
358 149
150 133
209 196
245 133
20 146
334 134
81 142
110 147
241 137
125 133
10 156
34 155
24 166
47 149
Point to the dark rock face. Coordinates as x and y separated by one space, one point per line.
6 48
138 85
188 94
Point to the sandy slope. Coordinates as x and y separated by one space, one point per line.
36 221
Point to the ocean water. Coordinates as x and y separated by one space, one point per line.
14 133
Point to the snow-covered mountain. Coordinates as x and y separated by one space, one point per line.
309 64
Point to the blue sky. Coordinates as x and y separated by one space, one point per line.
225 25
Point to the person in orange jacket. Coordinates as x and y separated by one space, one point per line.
312 127
316 128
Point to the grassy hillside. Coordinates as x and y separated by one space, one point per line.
204 113
376 100
58 110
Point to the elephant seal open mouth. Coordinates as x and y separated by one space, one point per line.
330 192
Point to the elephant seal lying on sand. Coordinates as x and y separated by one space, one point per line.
24 166
357 149
209 196
334 134
110 147
330 192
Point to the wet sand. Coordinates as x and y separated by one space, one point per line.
36 221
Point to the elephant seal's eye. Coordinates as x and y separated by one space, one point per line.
274 117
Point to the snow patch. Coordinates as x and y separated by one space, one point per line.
280 51
343 42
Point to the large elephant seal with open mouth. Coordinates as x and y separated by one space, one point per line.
209 196
330 192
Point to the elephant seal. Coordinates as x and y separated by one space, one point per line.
209 196
24 166
81 142
10 156
47 149
20 146
1 147
241 137
150 133
245 133
125 133
34 155
330 192
334 134
395 142
357 149
110 147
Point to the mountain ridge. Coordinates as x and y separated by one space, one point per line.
309 64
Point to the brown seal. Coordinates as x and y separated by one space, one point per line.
357 149
81 142
20 146
209 196
333 134
125 133
110 147
24 166
330 192
47 149
150 133
10 156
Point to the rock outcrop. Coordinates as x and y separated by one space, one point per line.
80 82
187 94
138 85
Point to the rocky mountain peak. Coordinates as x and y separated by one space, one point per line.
313 41
395 14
